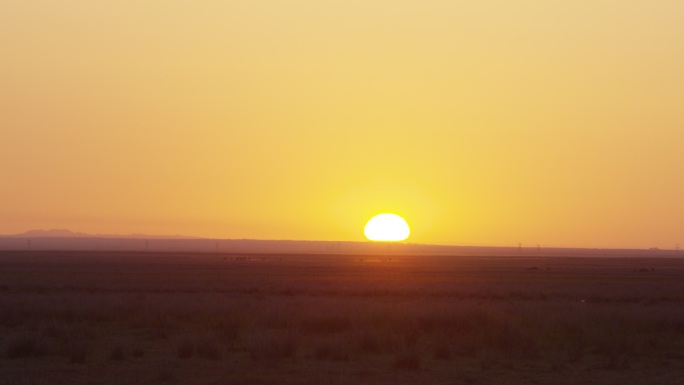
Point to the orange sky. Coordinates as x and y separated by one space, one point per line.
494 122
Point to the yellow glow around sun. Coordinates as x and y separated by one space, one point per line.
387 228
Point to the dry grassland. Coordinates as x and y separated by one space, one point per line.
146 318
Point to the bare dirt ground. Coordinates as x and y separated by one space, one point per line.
184 318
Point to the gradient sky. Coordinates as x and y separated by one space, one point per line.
492 122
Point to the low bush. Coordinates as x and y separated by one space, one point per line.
441 351
334 324
368 342
25 346
209 350
272 346
407 360
332 351
77 353
185 350
138 352
117 354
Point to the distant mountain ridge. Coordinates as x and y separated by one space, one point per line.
67 240
65 233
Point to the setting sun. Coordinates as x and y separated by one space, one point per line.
387 228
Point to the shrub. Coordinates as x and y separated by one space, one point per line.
117 354
407 360
185 350
11 318
209 350
229 329
337 324
368 342
24 346
138 352
272 347
328 351
441 351
77 353
54 331
165 375
410 336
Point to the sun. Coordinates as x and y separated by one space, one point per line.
387 228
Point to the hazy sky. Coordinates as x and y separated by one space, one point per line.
558 123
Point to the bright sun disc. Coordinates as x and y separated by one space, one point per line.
387 228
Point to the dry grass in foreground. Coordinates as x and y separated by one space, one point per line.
110 318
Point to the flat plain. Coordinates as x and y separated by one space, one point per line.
83 317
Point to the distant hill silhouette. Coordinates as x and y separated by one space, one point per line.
65 233
65 240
